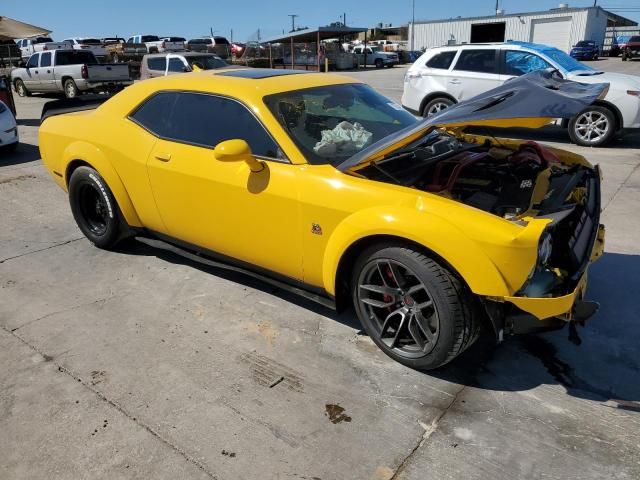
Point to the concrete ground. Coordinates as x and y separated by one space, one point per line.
141 364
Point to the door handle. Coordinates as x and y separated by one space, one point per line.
36 71
163 157
48 71
455 81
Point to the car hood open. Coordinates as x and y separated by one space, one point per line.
532 101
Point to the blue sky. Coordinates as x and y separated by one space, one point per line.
194 18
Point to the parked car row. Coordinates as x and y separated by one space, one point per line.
115 49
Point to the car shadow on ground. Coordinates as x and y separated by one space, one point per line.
28 122
605 367
24 153
556 134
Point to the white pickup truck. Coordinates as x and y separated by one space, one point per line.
156 44
70 71
375 56
29 46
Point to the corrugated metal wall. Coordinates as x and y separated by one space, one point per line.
588 23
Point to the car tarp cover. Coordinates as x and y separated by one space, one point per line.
536 95
11 29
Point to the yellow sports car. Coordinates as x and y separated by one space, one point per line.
317 182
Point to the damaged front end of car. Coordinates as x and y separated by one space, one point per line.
519 181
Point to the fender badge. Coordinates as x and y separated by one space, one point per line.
316 229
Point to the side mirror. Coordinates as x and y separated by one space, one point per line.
237 151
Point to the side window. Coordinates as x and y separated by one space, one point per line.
519 62
203 120
157 63
442 60
45 59
482 61
176 65
33 61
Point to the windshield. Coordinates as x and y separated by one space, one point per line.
149 38
206 62
330 124
42 40
565 61
584 43
89 41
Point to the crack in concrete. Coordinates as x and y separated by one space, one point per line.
41 249
68 309
117 406
428 431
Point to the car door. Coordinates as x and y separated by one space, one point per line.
30 79
220 206
46 78
475 71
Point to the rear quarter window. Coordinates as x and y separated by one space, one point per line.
442 60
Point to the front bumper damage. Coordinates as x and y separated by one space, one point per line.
520 314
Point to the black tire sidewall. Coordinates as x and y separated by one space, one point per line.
88 176
378 63
435 283
606 139
428 106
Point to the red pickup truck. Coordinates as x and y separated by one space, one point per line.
632 48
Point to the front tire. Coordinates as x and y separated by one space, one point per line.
595 126
21 89
95 209
378 63
414 309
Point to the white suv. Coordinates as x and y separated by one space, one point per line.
443 76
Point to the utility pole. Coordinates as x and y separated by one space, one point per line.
497 7
232 34
293 21
344 19
413 23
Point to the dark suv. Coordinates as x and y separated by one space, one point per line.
585 50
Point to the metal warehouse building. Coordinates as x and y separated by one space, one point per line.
561 27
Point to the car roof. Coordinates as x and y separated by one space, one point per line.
512 44
249 90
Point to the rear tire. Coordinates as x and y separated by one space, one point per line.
70 88
415 310
595 126
21 89
378 63
436 106
95 209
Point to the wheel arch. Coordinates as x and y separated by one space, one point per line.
432 96
82 154
616 112
353 252
436 237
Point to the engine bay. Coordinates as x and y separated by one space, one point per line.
500 180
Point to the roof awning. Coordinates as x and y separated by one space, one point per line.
11 29
312 34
